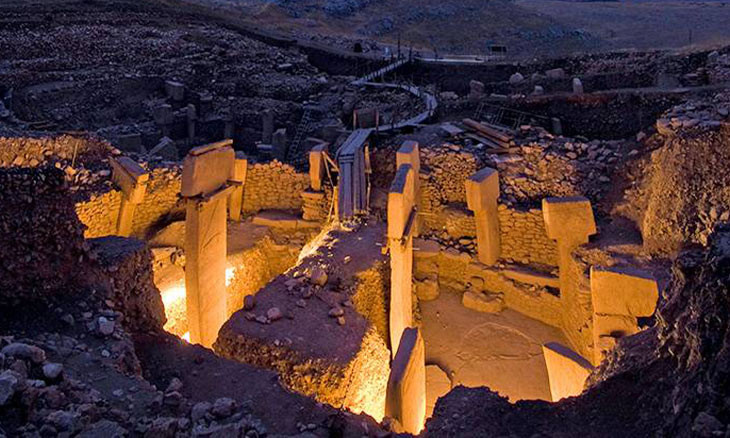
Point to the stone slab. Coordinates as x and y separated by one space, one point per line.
482 189
623 291
406 394
206 168
130 177
567 370
569 218
438 385
401 201
527 276
483 302
205 271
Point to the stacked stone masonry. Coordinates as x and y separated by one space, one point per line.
161 200
274 186
524 239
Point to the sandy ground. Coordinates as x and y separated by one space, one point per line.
502 351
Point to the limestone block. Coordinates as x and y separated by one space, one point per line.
408 154
163 114
567 370
406 394
577 86
205 270
130 177
616 326
239 168
401 298
425 249
622 291
427 289
279 142
482 189
556 73
568 219
317 166
438 385
483 302
238 175
175 90
130 143
206 168
267 122
401 201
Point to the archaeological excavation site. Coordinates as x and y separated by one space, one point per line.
213 228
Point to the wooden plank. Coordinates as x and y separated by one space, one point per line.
488 131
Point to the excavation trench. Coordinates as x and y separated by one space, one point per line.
256 255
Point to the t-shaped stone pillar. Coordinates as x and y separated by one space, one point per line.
409 154
238 179
482 192
132 179
405 400
206 170
401 215
619 296
569 221
317 166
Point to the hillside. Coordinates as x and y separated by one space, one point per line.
526 27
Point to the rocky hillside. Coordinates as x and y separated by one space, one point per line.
683 189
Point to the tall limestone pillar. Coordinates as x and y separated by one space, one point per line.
405 400
482 192
401 218
205 187
238 179
569 221
409 154
132 179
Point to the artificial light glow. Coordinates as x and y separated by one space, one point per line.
172 295
230 273
313 245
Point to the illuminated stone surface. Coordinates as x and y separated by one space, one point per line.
566 369
132 179
206 168
205 173
238 175
401 203
406 399
482 191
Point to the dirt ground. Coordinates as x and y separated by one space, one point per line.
502 351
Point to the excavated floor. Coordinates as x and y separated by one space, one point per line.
502 351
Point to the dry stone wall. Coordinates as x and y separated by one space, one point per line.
273 185
460 271
40 235
99 213
523 237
